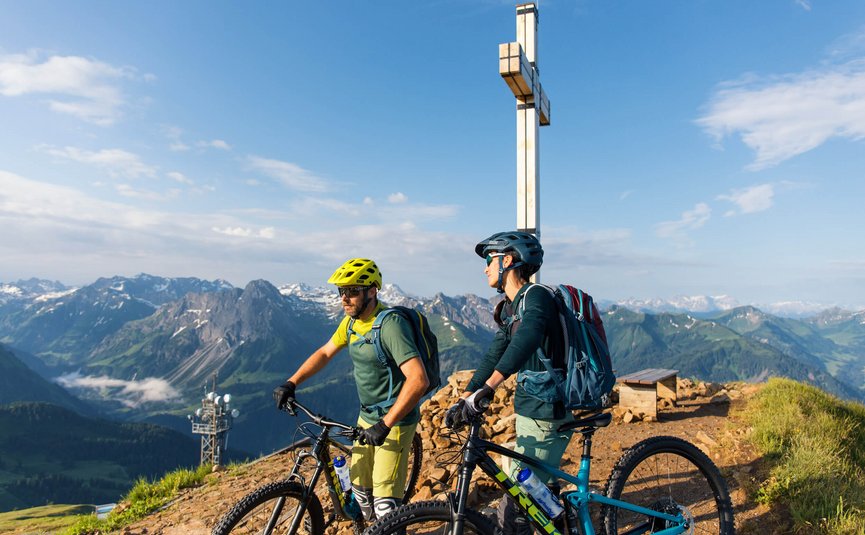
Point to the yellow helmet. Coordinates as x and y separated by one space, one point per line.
357 272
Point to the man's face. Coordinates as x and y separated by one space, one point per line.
353 298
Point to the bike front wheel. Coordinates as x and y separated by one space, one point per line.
671 475
272 509
430 518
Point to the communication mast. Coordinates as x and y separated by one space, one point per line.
213 422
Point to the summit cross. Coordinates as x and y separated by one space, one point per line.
518 65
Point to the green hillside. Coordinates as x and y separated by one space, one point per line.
51 455
706 349
815 445
19 383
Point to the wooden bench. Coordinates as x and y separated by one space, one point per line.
639 391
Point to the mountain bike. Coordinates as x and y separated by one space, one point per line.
291 506
661 485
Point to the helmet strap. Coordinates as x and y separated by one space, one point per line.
500 287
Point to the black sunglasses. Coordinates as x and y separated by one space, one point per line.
351 291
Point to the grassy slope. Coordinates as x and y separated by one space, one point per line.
815 445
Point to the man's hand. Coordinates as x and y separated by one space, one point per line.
283 394
477 403
375 435
454 415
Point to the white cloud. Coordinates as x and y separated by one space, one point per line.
214 144
117 162
130 393
750 200
289 174
690 220
128 191
179 177
85 88
804 4
782 116
397 198
239 232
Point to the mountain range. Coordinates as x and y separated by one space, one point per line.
146 349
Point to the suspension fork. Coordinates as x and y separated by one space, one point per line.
459 500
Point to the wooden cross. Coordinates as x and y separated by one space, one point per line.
518 66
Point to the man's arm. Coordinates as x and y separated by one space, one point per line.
315 362
416 383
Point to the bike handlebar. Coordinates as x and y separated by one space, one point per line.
345 430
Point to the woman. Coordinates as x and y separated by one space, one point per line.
529 322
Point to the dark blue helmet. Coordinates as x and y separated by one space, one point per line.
525 247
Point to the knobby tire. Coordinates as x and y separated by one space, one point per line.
430 518
252 512
668 474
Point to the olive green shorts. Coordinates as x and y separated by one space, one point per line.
541 440
383 468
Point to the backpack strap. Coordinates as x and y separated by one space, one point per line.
374 337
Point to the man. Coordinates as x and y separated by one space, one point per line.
379 459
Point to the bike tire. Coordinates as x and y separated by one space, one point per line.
430 518
671 474
251 513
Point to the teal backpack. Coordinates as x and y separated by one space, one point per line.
586 378
425 340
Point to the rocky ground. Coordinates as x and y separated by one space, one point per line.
705 415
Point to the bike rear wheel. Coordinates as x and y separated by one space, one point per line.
430 518
255 510
671 475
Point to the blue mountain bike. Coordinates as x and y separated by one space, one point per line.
662 485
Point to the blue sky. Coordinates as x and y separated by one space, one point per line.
701 147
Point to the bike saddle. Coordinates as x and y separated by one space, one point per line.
601 419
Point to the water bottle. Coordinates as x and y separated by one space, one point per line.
351 507
342 472
530 483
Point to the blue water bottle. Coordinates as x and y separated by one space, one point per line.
530 483
351 507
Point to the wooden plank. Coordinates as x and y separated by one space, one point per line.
648 376
667 388
639 398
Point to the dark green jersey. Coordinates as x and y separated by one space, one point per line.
371 378
515 346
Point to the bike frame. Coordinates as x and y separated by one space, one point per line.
477 455
321 455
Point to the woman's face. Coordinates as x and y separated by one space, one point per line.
495 261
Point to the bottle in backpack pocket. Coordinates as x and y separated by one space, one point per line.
350 507
530 483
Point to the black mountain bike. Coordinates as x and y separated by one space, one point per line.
662 485
290 506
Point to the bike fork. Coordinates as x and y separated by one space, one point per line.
458 501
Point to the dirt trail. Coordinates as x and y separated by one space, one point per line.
708 422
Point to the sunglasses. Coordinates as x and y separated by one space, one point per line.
351 291
493 255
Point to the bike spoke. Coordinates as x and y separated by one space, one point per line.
670 483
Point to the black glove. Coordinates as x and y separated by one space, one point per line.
454 415
375 435
477 403
283 394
